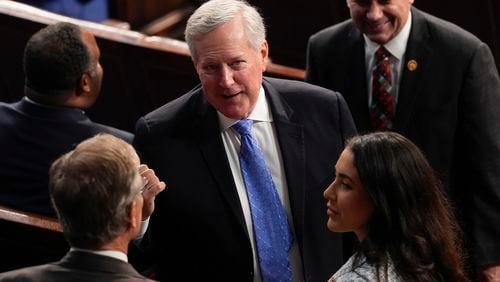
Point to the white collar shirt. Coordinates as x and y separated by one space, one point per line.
397 48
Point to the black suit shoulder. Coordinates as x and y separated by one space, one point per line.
302 96
173 114
292 88
341 35
32 136
310 105
77 266
444 34
334 39
445 29
337 31
330 49
122 134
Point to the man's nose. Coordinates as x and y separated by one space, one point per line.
375 11
226 77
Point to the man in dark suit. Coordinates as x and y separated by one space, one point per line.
445 92
101 194
63 78
203 228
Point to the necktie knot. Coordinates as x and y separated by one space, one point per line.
244 127
382 54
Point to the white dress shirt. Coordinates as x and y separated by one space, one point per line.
397 48
264 132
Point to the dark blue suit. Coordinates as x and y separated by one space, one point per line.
449 106
32 136
198 230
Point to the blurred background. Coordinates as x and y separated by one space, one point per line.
290 22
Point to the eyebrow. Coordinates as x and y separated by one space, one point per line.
343 175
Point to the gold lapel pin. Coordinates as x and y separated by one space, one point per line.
412 65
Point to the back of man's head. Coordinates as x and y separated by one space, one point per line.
55 59
93 188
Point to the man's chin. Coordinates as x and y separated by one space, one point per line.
235 114
380 38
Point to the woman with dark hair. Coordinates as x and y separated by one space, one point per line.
387 194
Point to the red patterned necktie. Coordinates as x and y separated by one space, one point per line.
382 107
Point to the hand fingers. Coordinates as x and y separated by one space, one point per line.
152 185
142 168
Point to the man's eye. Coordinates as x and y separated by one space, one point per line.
209 68
362 2
237 64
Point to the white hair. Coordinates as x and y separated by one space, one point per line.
216 12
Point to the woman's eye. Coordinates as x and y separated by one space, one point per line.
345 186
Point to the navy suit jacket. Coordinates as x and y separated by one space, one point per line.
77 266
449 106
32 136
198 230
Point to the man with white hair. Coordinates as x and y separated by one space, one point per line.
247 158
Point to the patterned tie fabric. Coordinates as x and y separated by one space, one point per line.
272 232
382 107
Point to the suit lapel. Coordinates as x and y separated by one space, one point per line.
417 51
207 132
357 99
291 142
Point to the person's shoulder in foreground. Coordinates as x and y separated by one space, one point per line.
102 195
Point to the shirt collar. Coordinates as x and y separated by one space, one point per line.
27 99
397 45
60 114
261 112
108 253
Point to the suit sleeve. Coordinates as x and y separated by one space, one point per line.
311 66
141 135
479 129
141 129
346 120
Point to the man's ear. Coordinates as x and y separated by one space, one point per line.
134 215
264 53
84 84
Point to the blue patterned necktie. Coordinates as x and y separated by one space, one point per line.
272 232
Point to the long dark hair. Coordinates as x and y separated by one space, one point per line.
412 224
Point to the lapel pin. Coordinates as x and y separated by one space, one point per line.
412 65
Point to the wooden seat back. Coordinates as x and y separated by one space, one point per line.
29 239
